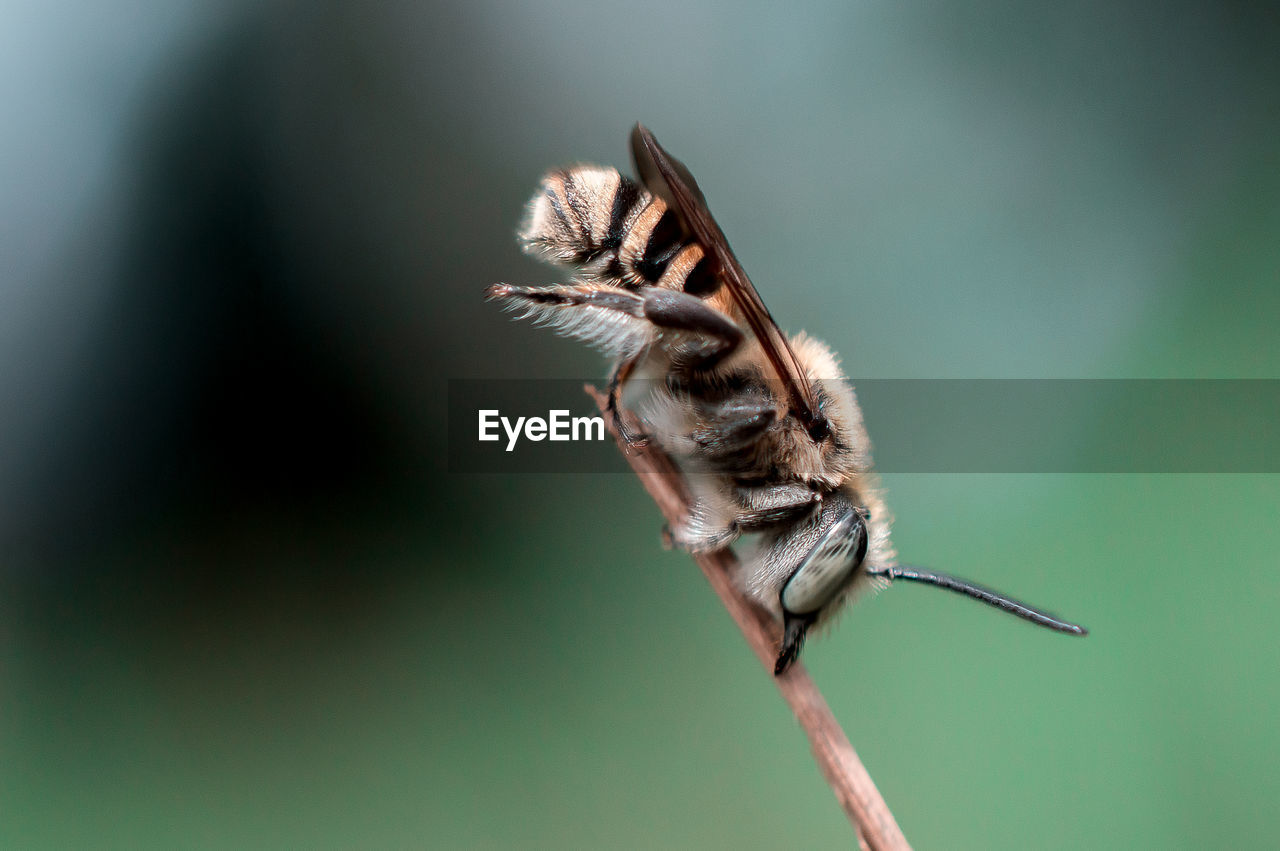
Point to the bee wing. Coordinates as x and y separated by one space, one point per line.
665 176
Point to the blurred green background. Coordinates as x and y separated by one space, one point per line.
242 604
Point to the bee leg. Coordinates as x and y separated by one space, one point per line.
692 540
709 526
774 505
713 524
696 335
620 374
606 317
622 323
734 427
693 334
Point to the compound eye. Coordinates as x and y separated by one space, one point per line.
827 569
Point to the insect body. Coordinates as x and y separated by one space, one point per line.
766 427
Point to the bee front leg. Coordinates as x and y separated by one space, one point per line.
774 505
696 538
718 519
710 524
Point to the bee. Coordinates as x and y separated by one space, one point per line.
767 428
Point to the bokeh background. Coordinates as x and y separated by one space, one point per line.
243 604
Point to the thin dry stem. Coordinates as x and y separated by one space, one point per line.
853 786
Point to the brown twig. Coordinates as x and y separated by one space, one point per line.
853 786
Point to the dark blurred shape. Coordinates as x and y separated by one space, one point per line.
203 391
215 463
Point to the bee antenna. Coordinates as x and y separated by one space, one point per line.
977 592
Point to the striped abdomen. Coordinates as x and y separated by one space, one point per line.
614 231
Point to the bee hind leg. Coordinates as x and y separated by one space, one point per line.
694 334
603 316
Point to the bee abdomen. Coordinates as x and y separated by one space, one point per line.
613 230
572 218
